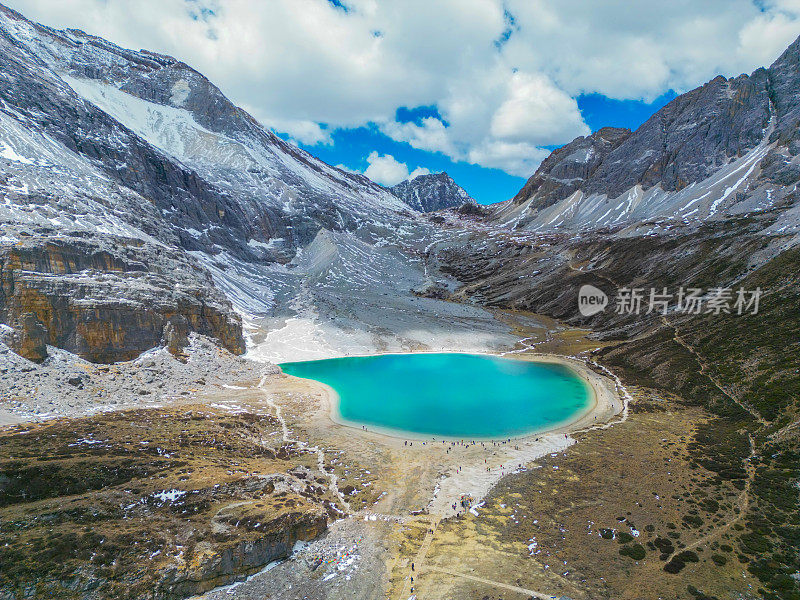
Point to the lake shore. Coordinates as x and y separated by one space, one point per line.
472 467
604 403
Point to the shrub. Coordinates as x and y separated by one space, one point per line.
674 566
634 551
692 520
687 556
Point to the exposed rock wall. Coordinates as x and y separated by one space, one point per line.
213 567
571 166
108 304
728 147
428 193
684 142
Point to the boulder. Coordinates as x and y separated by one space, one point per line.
176 335
29 338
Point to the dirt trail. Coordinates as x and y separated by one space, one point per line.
704 370
744 497
744 503
419 559
332 478
497 584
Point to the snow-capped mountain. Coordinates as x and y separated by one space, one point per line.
153 125
118 165
428 193
729 147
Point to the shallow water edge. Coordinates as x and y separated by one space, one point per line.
600 405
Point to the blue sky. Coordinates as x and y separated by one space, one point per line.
351 147
482 89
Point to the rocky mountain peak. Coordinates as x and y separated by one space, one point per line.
729 146
571 166
431 192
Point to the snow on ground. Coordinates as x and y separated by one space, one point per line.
711 198
306 339
343 296
303 338
8 153
168 496
477 479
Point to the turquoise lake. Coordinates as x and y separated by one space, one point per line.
450 395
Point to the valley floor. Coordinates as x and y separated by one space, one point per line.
416 489
549 519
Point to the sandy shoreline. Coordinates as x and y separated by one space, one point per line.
604 403
477 478
473 467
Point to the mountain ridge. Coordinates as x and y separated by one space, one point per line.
431 192
101 141
728 146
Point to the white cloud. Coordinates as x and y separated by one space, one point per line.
388 171
418 171
535 109
431 135
501 127
633 50
499 87
767 35
515 158
306 132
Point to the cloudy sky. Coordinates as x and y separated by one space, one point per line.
483 89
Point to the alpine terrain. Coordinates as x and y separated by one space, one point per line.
432 192
161 252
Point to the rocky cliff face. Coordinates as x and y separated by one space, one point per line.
570 167
215 565
428 193
150 180
107 302
727 147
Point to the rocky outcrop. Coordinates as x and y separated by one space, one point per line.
29 339
684 142
728 147
569 167
428 193
108 303
212 566
176 335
